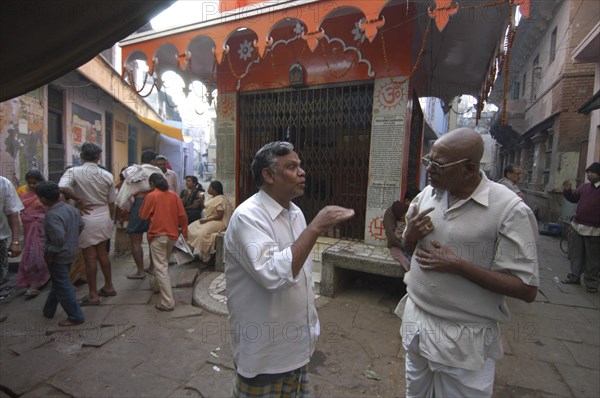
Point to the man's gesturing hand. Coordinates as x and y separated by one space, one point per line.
326 219
329 216
418 225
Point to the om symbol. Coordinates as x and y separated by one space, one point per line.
390 95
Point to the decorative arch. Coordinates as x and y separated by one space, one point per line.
135 56
202 62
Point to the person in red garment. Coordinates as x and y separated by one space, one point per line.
163 208
33 272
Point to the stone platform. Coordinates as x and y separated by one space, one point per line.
356 256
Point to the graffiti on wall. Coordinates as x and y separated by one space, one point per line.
22 135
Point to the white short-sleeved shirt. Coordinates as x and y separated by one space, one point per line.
172 180
272 315
9 203
91 182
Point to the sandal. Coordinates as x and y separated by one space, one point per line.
86 302
568 281
79 282
592 290
67 323
161 307
136 276
31 292
105 293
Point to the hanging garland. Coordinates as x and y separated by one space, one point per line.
354 58
132 84
239 77
511 38
417 61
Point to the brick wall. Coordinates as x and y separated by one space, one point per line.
567 97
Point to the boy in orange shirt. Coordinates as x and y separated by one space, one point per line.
167 217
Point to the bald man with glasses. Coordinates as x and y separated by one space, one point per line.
473 242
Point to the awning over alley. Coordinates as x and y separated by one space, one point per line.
162 128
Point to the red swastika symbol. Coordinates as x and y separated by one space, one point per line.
376 228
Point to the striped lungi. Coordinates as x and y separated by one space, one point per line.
98 227
293 384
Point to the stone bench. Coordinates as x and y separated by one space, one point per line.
355 256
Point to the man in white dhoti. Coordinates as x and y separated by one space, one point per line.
473 243
93 189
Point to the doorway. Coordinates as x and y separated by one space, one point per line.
330 127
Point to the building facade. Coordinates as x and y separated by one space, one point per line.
542 131
588 52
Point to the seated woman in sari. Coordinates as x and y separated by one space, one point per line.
33 271
217 212
192 198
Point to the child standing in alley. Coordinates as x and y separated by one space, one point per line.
167 217
62 225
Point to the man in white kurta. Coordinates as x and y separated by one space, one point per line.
270 290
474 242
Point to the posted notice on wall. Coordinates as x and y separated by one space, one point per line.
387 148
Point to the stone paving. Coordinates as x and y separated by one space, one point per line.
127 348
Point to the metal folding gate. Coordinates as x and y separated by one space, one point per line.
330 128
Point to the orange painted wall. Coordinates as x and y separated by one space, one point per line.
328 63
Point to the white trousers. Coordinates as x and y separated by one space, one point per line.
429 379
161 247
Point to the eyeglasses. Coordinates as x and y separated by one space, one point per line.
428 162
